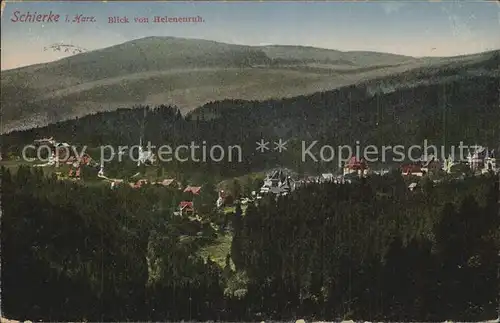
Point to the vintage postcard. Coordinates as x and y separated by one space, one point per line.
250 161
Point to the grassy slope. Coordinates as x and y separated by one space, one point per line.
218 250
186 72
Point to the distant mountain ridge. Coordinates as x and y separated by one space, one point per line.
184 72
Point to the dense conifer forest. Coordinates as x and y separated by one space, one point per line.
371 250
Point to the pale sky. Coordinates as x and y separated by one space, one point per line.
414 28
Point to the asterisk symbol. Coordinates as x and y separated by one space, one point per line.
280 145
262 145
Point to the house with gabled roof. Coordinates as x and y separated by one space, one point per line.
186 207
169 182
193 189
355 165
140 183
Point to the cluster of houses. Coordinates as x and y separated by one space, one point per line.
141 182
282 181
481 160
185 207
60 153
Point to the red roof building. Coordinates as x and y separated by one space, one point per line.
355 165
186 207
139 183
193 189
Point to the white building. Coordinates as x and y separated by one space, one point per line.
327 177
481 159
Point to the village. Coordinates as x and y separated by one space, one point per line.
278 182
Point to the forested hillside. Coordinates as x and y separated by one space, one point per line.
156 70
191 72
464 109
371 251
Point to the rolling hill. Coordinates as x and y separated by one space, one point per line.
452 102
184 72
